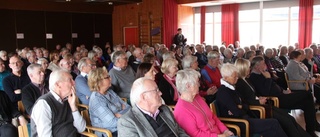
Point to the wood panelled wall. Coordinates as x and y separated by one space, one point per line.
36 24
192 1
128 15
185 15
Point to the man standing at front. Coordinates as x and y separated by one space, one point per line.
179 39
56 113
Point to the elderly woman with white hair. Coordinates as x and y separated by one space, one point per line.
190 62
200 120
166 82
230 105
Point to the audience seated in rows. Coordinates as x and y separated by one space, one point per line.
265 86
247 93
228 101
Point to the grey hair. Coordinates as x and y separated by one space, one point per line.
213 55
188 60
167 55
137 89
307 50
91 54
2 52
82 62
116 55
268 50
227 70
150 49
29 53
31 68
41 60
186 76
227 51
55 77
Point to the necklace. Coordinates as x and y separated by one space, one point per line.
198 106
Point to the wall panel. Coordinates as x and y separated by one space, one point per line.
7 31
31 24
103 26
59 25
83 25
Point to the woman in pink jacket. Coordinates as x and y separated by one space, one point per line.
191 111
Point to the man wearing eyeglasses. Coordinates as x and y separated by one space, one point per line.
82 89
148 117
18 79
66 65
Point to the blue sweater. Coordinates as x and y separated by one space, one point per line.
102 109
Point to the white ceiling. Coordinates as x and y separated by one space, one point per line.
220 2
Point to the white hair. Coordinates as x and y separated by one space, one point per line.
41 60
137 89
186 76
56 76
228 69
31 68
188 60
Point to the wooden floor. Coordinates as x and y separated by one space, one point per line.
298 115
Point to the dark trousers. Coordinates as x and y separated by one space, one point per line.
301 100
8 130
266 127
289 124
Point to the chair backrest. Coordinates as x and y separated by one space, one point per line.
287 78
214 108
24 130
21 107
84 111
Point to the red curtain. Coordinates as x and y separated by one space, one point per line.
305 22
202 23
230 23
170 21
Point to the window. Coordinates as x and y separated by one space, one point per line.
315 24
217 28
249 27
275 26
197 28
294 25
209 29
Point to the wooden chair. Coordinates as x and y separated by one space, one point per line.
25 131
85 114
296 81
234 121
22 109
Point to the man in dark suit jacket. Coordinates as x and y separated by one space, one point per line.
32 91
148 117
179 39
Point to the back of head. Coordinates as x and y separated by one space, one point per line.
186 76
227 70
143 68
243 67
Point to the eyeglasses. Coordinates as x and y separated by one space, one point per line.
107 77
155 90
91 65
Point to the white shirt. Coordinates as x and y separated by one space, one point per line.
42 115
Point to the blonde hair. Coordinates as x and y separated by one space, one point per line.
94 78
168 63
243 67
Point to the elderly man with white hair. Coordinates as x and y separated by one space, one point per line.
56 113
148 117
65 64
